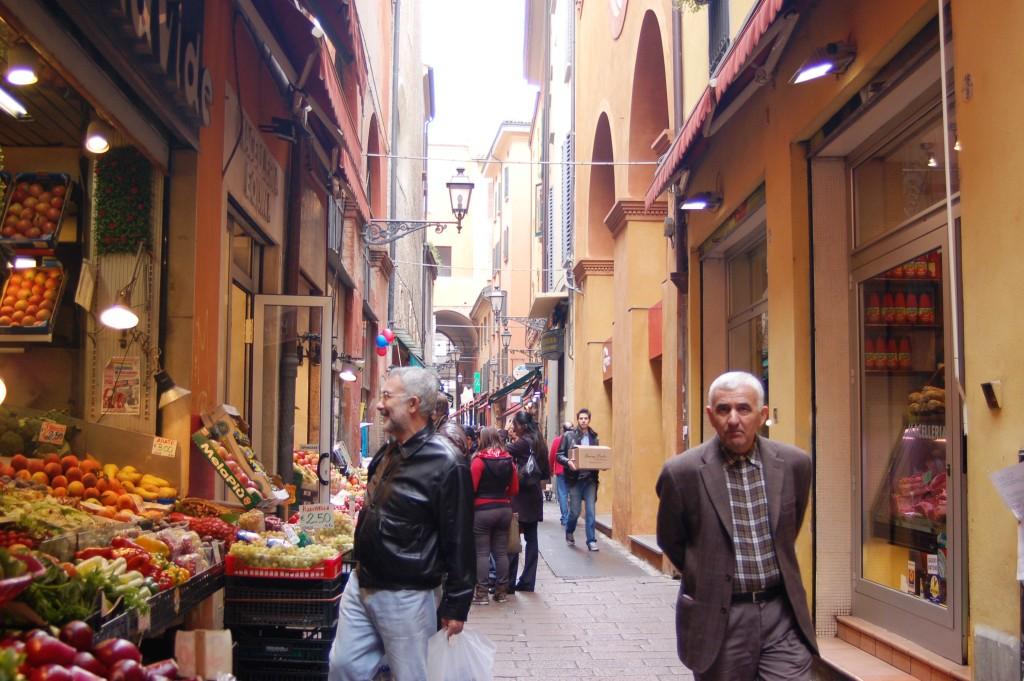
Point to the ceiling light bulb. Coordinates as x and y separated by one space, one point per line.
23 262
3 391
21 66
13 107
120 315
956 144
932 163
347 375
812 72
97 138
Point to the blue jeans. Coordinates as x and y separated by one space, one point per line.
562 489
583 491
377 626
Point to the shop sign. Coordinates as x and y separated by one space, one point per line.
476 382
51 433
254 178
552 342
165 446
316 517
170 32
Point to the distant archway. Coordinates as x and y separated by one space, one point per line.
602 191
460 331
648 106
374 169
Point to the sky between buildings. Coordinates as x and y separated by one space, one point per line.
476 50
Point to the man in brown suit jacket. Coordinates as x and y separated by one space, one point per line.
728 517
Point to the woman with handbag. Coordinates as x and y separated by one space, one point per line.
495 483
529 454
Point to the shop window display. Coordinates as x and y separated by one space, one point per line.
904 444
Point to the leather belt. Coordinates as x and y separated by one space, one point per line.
758 596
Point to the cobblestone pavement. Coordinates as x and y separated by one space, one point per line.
582 627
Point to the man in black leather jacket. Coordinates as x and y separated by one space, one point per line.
415 533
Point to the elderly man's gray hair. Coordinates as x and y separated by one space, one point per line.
419 382
734 380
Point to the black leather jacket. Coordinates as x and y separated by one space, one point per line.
570 440
416 529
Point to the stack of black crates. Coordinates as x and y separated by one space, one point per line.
283 628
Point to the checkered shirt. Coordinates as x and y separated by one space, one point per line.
756 565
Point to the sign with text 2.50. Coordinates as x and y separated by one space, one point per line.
51 433
316 517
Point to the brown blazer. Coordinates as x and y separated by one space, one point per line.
695 532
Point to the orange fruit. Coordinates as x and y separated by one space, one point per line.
40 478
59 481
76 489
8 471
116 486
73 473
102 485
60 491
69 461
125 516
52 457
108 498
19 462
35 465
92 493
23 475
125 502
88 479
89 466
52 469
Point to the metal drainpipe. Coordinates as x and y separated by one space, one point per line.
393 163
677 65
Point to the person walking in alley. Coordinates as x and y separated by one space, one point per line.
558 471
495 482
415 533
527 450
582 485
728 516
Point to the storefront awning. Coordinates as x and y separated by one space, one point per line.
515 385
544 303
743 48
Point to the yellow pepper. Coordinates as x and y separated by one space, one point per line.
154 546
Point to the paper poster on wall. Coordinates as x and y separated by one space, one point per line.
122 386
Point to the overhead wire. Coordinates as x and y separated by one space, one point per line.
531 162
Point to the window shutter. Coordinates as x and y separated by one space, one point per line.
568 182
550 243
506 182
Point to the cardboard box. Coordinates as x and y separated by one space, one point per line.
591 458
203 652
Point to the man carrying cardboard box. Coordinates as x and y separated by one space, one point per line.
582 483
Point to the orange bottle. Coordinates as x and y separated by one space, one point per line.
899 313
909 269
869 354
892 352
904 353
921 267
912 313
873 313
926 310
888 311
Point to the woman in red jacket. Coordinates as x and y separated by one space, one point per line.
495 482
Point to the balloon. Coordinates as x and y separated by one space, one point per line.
382 351
389 334
382 341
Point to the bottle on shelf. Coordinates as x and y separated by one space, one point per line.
909 269
921 267
888 308
925 310
895 272
934 265
899 313
869 354
903 360
912 311
873 313
892 354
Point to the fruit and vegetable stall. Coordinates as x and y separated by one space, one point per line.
102 560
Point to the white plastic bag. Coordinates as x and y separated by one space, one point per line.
468 656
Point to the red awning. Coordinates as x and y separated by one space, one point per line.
742 49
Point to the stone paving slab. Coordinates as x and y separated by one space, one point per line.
582 623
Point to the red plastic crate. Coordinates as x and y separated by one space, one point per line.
329 569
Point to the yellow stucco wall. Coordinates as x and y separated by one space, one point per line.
989 124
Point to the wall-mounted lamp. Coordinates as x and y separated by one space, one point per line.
506 338
3 391
833 58
21 66
120 315
701 201
167 389
282 128
97 137
350 366
347 374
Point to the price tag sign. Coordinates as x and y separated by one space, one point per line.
165 446
316 517
51 433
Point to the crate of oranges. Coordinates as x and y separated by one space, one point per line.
34 209
29 301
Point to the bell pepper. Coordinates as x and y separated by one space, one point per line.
153 545
104 551
124 543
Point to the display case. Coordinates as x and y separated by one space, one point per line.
34 209
29 302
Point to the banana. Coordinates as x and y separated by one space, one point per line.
126 475
153 481
146 494
110 470
128 485
167 492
